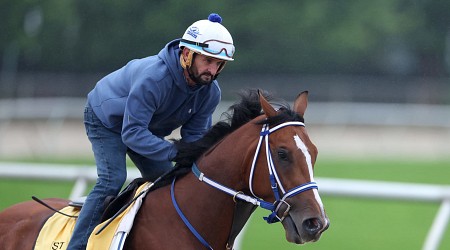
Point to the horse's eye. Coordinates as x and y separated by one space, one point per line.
282 155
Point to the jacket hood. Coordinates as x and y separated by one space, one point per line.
170 54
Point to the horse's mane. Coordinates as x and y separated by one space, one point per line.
240 113
237 115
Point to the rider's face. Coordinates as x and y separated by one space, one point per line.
204 68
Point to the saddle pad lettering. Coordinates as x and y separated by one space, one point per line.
56 232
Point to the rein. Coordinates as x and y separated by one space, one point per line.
255 200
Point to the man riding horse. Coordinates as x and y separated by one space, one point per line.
131 110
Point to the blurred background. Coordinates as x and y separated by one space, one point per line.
383 62
378 73
382 51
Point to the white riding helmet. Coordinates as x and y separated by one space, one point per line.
209 38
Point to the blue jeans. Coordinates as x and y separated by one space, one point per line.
110 156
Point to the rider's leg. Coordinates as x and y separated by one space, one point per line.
110 157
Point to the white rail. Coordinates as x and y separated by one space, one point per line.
334 187
335 113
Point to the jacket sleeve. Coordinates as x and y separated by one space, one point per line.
140 107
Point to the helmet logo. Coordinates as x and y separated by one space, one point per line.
193 31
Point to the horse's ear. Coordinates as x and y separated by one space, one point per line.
266 107
301 102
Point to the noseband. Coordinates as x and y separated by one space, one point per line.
275 182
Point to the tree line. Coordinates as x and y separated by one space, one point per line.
395 37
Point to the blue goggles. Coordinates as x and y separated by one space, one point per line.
214 47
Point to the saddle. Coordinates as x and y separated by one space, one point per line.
113 204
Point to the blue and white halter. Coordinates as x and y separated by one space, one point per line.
275 181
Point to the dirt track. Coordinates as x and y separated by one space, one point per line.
68 139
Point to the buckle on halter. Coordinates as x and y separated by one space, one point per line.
285 213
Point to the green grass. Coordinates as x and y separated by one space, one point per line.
14 191
365 223
355 223
418 171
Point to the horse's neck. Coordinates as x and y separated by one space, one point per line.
209 210
228 165
230 161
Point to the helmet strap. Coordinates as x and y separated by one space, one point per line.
186 62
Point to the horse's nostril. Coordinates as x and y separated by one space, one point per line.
312 226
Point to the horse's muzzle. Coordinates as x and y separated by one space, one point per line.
309 230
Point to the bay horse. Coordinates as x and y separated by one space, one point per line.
253 159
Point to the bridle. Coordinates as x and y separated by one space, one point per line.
273 175
275 182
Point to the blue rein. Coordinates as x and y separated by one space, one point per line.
183 217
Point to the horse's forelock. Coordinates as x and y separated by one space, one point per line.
284 115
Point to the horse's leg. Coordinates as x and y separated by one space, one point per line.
21 223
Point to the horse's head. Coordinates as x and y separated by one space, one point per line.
290 165
266 160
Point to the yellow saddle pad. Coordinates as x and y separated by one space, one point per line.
56 232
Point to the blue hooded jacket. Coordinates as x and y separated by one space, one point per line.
149 98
